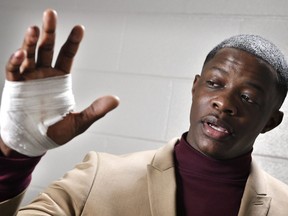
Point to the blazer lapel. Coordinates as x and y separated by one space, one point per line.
255 200
162 183
162 187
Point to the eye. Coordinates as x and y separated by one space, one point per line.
247 98
212 84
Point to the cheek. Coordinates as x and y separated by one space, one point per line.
202 98
200 104
250 126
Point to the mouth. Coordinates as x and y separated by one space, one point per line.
216 128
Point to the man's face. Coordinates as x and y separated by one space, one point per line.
234 100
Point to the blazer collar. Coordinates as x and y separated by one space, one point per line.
162 186
161 181
255 199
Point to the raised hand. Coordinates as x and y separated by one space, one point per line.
24 65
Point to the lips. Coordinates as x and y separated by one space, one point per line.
216 128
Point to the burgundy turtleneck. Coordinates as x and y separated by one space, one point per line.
206 186
15 174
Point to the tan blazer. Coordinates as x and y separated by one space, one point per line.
139 184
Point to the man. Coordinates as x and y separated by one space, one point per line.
208 171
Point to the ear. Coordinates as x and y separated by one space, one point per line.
274 121
195 82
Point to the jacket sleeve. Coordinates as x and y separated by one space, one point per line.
15 176
68 195
9 207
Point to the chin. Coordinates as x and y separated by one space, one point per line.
213 152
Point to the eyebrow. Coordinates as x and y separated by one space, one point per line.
256 86
252 84
219 69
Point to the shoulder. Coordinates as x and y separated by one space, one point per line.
159 158
276 187
264 183
99 159
120 179
129 167
278 192
264 192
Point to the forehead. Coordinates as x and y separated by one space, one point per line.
236 60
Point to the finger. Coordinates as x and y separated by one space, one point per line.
76 123
69 49
14 64
29 45
46 45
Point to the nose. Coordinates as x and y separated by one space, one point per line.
224 103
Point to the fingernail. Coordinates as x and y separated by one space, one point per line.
19 55
33 34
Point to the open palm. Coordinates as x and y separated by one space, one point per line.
33 61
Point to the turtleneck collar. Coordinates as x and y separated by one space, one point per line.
191 161
203 181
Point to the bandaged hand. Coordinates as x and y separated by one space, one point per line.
37 102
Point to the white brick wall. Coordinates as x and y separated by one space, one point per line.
147 52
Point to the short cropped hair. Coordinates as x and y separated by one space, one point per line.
261 48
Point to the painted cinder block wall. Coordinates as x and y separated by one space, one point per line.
147 53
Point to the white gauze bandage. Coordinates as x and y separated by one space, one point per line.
28 108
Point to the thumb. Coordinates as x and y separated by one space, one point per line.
98 109
76 123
